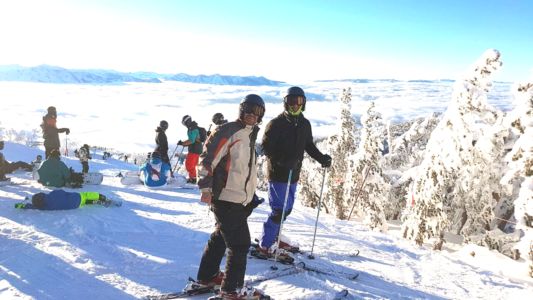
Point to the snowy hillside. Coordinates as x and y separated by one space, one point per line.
53 74
153 243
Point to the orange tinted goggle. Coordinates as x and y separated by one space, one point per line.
253 109
295 100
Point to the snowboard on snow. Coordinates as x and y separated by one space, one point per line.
133 178
93 178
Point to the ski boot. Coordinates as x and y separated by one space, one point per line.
246 293
270 254
197 287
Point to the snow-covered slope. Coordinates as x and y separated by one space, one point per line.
153 243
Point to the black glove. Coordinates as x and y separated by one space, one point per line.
67 131
208 133
256 201
180 143
326 161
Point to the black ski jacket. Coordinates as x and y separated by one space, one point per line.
51 132
285 139
162 144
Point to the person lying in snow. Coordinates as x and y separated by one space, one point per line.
62 200
7 167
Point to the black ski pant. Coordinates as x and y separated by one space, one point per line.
48 150
85 166
231 232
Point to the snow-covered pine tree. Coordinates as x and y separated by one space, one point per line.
369 195
517 200
341 147
406 152
455 183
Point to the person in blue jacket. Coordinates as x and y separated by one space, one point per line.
62 200
155 172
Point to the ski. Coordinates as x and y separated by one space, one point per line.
291 270
247 291
349 276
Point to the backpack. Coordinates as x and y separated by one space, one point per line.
203 134
76 179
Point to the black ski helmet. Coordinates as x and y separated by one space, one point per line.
52 111
294 91
186 120
252 100
163 124
218 119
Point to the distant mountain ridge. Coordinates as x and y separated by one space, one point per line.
54 74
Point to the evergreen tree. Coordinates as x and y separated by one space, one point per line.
517 200
341 146
367 190
454 186
406 152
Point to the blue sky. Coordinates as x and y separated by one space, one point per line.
282 40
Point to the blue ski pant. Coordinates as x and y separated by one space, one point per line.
276 197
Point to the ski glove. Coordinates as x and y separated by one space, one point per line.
67 131
326 161
180 143
256 201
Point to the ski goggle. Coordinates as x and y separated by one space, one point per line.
295 100
253 109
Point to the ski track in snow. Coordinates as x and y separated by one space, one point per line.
154 242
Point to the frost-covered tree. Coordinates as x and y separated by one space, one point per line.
517 200
457 183
408 149
341 146
406 152
367 190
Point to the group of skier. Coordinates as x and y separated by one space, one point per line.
157 170
228 179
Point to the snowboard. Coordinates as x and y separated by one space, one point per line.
93 178
133 178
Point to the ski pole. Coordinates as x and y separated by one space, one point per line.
311 256
359 192
282 217
170 158
66 145
179 157
174 152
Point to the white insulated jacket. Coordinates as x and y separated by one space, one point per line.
228 163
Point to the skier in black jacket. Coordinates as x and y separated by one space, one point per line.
162 142
286 138
51 132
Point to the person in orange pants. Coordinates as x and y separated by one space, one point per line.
195 146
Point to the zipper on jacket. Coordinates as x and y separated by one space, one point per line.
253 137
